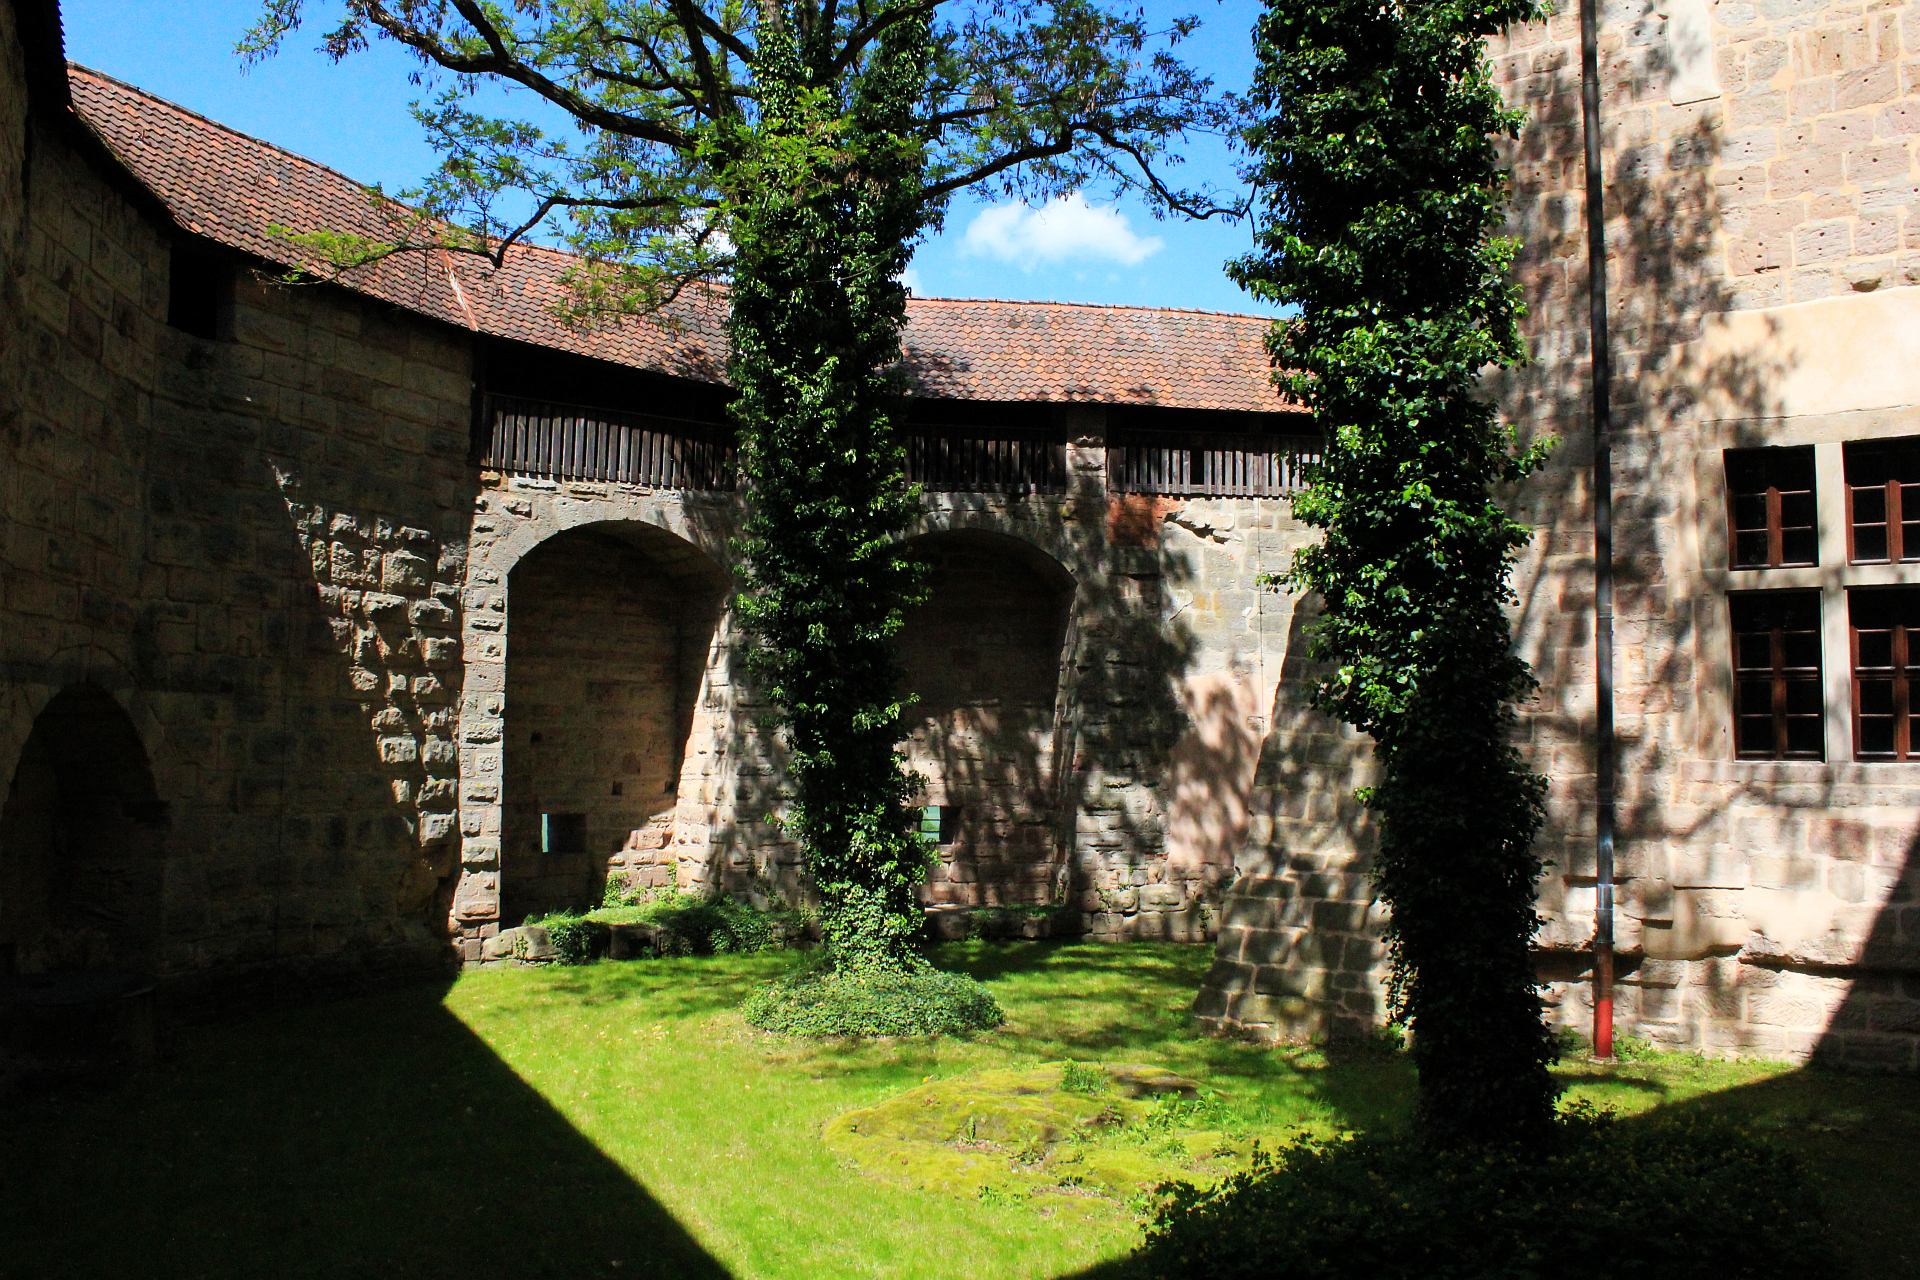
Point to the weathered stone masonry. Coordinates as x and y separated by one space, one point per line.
342 672
1764 241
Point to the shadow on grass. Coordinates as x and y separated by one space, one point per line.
383 1138
1855 1134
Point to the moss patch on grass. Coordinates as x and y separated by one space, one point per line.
1061 1129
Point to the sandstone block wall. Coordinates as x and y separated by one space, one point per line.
1092 679
254 546
1763 215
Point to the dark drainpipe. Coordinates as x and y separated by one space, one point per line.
1602 535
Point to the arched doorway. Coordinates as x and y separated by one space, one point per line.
82 844
983 656
612 629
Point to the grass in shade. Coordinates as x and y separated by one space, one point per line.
620 1119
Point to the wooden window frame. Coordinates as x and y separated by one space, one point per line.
1892 488
1781 677
1776 528
1903 641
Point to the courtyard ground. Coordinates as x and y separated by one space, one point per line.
619 1119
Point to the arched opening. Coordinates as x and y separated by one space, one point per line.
82 836
983 655
612 628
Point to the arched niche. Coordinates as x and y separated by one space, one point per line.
82 844
983 656
612 630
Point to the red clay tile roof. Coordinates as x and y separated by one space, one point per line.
232 189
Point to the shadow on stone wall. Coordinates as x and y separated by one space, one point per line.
1125 657
1692 831
982 659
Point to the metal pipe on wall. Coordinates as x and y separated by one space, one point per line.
1602 369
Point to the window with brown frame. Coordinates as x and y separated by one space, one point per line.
1884 623
1770 508
1777 711
1883 501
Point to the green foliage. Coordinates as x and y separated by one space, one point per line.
841 1002
1690 1197
576 938
692 925
828 213
660 107
1080 1077
1019 920
1378 163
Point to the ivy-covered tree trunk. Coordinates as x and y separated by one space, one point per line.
1378 163
827 210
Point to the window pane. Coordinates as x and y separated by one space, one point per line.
1799 546
1870 505
1756 697
1876 735
1806 736
1754 736
1796 509
1803 698
1910 539
1754 651
1750 550
1876 697
1802 649
1869 542
1750 510
1875 649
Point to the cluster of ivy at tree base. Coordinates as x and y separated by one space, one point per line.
824 1001
1677 1198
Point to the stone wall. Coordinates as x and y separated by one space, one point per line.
1763 223
982 658
601 692
1092 673
253 545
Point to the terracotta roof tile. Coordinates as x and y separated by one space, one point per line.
232 189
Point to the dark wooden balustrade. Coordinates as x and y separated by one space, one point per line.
575 442
979 459
1207 465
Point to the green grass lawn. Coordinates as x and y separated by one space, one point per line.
620 1119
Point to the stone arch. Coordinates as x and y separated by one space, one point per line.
985 656
615 626
82 842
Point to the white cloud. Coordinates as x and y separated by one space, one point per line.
911 279
1063 228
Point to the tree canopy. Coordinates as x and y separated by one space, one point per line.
627 120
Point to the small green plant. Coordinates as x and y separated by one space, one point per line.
623 890
830 1002
576 939
1081 1077
717 925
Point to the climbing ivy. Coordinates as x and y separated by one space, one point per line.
827 213
1376 157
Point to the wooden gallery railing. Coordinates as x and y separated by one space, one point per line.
978 459
575 442
1206 465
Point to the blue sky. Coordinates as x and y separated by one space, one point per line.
354 117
